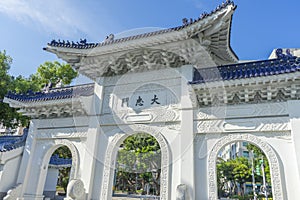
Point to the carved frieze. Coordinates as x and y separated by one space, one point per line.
239 111
62 133
249 125
161 114
279 88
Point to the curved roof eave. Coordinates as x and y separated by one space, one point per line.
73 53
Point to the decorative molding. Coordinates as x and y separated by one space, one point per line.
264 146
276 88
156 115
250 125
239 111
65 133
173 126
55 109
112 150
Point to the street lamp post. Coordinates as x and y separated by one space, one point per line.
115 178
154 173
265 191
253 177
135 170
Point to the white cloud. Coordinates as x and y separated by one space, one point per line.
54 16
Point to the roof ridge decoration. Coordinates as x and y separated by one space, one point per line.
53 93
281 65
8 143
82 44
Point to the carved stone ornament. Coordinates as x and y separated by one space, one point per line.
255 91
181 192
76 189
69 133
13 193
269 124
111 154
264 146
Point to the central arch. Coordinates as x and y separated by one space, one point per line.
265 147
111 157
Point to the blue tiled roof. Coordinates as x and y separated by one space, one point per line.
8 143
54 94
247 70
84 45
56 160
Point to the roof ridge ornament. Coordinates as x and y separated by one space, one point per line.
281 55
203 15
82 44
109 38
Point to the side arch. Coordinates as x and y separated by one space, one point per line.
46 159
264 146
111 156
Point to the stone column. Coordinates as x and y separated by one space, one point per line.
294 114
29 167
187 175
92 142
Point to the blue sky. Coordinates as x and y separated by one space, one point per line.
27 25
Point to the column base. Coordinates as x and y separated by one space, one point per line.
31 197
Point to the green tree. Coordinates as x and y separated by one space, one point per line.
241 172
48 72
21 84
235 171
64 173
138 156
54 72
9 117
259 155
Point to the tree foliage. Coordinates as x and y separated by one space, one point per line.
64 173
54 72
9 117
48 72
234 173
258 156
138 157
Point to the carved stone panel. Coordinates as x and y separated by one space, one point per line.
247 124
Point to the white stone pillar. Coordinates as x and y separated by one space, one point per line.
90 156
90 171
294 114
29 168
187 158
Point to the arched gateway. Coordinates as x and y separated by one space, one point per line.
111 155
264 146
185 87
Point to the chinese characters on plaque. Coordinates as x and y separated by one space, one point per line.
141 101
